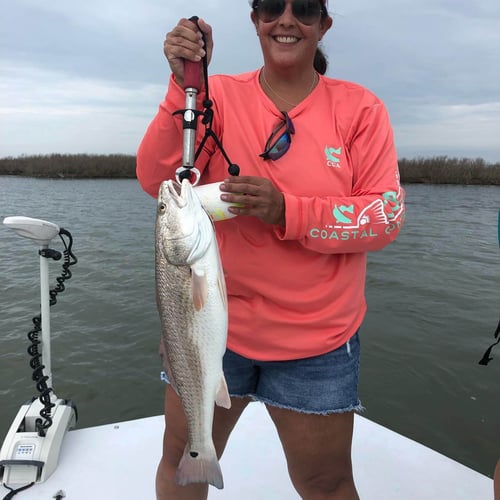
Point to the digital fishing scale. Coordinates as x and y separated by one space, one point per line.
209 194
30 451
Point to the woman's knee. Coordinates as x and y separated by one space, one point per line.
318 452
173 448
326 482
175 435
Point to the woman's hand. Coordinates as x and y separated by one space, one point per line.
185 42
255 196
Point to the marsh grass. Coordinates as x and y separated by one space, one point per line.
445 170
421 170
70 166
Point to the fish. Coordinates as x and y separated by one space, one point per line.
192 304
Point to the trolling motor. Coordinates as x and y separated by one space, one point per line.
209 194
30 452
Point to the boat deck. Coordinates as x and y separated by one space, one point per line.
118 462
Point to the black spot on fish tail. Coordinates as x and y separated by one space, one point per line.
193 454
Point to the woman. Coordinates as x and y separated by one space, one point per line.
496 481
310 208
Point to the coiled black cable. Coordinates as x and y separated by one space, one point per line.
40 379
38 376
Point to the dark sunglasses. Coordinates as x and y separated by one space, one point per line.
307 12
277 146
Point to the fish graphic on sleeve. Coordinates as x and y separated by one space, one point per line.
340 214
373 213
381 211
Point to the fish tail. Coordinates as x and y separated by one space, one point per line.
199 467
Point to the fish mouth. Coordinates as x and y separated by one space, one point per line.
171 190
180 198
181 194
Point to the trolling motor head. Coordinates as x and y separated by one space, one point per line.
40 231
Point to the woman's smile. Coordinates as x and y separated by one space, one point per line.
287 39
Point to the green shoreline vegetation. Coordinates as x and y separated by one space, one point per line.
420 170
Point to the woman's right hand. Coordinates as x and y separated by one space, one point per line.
185 42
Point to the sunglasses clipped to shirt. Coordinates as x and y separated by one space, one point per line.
278 145
307 12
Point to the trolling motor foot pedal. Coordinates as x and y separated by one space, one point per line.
26 456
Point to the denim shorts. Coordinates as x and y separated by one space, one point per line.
322 384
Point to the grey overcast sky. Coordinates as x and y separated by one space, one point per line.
87 76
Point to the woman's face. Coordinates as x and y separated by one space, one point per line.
286 41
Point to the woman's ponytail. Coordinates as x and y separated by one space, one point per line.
320 62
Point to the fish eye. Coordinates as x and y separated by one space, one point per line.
162 207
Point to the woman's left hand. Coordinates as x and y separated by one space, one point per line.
256 196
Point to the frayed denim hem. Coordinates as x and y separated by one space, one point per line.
358 408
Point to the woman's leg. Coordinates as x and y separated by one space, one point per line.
174 442
318 452
496 481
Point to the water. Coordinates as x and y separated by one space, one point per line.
434 303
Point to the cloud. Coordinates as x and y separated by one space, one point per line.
466 130
72 114
88 76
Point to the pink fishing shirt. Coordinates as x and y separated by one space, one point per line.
297 291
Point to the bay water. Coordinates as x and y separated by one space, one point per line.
433 297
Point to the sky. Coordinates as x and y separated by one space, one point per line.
87 76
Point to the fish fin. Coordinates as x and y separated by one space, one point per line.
221 282
199 286
221 285
222 398
199 467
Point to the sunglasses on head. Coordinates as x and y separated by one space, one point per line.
305 11
278 145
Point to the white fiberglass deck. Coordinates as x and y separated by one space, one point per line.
118 462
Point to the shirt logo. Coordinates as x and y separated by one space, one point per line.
333 157
340 214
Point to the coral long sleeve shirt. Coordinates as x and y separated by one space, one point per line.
299 290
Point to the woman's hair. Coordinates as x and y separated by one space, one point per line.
320 60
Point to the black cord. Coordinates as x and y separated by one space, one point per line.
486 358
38 376
13 492
40 379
